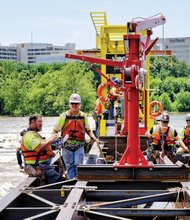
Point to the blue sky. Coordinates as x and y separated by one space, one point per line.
63 21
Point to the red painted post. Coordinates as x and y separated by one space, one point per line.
132 155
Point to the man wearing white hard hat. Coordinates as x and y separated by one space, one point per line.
73 125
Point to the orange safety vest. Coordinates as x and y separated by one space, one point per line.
74 127
186 139
31 155
166 137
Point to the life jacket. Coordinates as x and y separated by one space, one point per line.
31 156
166 138
74 127
186 139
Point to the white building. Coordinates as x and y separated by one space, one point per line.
34 53
40 52
9 53
180 47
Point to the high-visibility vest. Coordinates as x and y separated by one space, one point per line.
74 127
186 139
30 156
159 136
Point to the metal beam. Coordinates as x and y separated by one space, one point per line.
111 195
157 173
132 212
126 203
48 202
4 202
68 208
137 199
104 216
24 213
135 185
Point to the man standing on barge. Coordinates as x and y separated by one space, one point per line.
73 125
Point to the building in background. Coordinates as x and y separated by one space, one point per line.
180 47
34 53
9 53
53 57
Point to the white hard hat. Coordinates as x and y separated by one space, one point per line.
75 98
187 118
165 117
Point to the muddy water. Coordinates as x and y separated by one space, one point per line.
10 127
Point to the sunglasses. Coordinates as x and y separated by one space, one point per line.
74 103
187 120
165 121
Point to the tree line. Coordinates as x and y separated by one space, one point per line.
170 83
45 88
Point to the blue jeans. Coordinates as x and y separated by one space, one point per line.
51 176
71 160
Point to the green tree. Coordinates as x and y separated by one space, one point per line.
182 102
49 95
171 77
166 102
44 88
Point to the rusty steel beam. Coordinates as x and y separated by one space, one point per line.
111 195
135 185
127 203
132 212
127 199
157 173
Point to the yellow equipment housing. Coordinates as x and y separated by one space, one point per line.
109 42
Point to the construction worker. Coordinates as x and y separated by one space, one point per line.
163 139
113 95
37 151
73 125
184 135
97 113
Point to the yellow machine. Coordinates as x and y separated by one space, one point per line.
109 41
110 45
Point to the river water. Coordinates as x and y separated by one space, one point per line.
10 127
